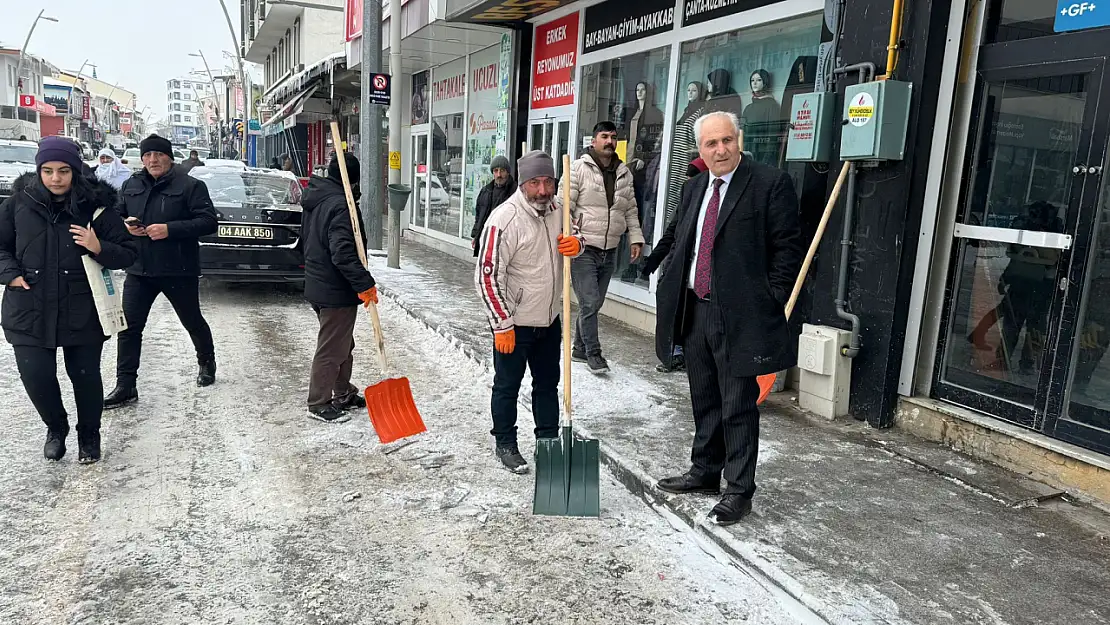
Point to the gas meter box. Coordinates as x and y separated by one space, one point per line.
876 117
811 117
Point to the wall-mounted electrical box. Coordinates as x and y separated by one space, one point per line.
876 116
824 374
811 125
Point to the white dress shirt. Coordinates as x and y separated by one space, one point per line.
727 178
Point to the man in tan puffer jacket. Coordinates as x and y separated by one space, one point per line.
520 279
604 205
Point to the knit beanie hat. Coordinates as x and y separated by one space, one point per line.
534 165
353 169
499 162
154 143
61 150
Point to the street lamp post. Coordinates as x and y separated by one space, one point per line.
23 51
219 125
242 80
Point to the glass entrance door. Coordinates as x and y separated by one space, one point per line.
1020 288
419 200
552 135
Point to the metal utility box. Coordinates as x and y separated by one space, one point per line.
825 375
876 116
811 117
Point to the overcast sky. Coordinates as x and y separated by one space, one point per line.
138 43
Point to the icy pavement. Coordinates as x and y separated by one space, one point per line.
861 525
227 505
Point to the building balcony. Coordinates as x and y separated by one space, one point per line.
270 30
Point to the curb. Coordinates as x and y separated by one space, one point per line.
642 485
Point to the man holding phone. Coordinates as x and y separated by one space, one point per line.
167 211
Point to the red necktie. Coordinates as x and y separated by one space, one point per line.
705 250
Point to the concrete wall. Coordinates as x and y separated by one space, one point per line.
321 35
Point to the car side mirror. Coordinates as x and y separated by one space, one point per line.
123 160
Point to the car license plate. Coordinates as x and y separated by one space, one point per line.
246 232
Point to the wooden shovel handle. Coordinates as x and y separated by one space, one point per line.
816 239
566 292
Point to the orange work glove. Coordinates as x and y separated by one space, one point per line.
368 296
569 246
505 341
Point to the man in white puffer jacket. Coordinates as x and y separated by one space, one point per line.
519 277
604 204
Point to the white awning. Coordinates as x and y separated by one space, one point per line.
292 108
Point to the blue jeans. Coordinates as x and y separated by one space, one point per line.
590 274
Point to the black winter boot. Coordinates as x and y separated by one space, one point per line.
207 374
88 448
121 396
55 447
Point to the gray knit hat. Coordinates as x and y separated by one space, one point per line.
499 161
533 165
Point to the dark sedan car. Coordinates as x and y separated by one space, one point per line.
259 235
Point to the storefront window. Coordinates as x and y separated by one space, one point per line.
629 91
481 127
445 182
753 73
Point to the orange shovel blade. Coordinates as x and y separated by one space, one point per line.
766 382
392 410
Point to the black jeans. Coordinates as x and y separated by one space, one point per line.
139 294
38 368
590 274
537 349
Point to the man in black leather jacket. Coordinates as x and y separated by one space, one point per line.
167 211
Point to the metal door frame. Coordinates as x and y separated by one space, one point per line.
1014 62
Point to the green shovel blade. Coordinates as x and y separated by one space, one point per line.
568 475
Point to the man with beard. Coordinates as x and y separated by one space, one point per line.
519 277
604 204
491 196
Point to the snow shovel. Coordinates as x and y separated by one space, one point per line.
568 469
766 382
390 403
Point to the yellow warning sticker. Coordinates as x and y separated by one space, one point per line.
861 110
395 160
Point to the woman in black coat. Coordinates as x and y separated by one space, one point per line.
48 303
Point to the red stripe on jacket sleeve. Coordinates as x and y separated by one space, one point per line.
489 274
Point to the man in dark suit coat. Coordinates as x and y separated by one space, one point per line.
737 252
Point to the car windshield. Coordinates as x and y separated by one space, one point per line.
131 153
243 187
17 154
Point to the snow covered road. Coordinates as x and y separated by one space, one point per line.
227 505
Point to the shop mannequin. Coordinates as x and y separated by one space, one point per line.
762 125
721 95
685 148
645 127
645 133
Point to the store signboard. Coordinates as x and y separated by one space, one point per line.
483 140
699 11
620 21
58 96
1080 15
508 11
556 50
505 69
449 87
352 19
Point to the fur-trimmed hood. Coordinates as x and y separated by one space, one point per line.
87 194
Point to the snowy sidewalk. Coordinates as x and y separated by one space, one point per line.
860 525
